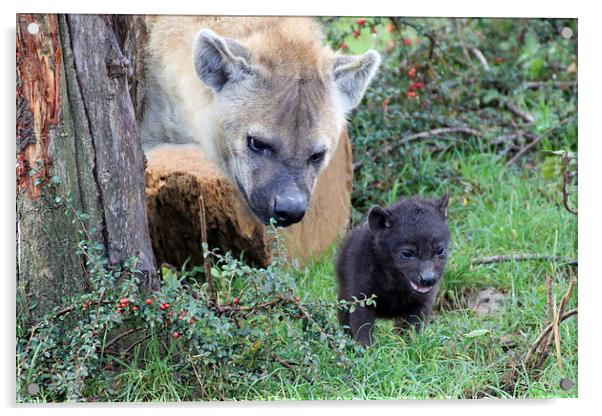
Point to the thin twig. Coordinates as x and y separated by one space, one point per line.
289 365
523 257
481 58
141 340
565 182
516 110
122 335
544 333
539 138
532 85
206 261
556 328
440 131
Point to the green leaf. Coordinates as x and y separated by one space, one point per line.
477 333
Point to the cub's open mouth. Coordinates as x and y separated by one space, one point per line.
421 289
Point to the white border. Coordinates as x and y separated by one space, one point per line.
590 71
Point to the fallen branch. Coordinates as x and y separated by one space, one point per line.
544 333
537 139
439 132
523 257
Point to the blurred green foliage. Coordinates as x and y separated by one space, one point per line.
509 80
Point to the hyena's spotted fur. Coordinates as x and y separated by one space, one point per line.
262 96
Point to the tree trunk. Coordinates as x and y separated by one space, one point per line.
76 121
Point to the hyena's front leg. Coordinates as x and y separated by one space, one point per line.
416 317
362 321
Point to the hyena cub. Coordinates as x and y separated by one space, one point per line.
398 254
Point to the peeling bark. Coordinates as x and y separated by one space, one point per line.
76 120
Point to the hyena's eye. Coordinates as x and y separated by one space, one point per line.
407 254
440 251
317 157
258 146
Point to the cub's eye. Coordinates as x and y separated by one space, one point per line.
407 254
440 251
317 157
258 146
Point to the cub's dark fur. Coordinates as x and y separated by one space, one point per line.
397 254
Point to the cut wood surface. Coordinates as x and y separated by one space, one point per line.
175 177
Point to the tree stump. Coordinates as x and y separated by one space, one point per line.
175 178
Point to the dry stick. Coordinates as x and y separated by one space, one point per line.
124 334
516 110
556 334
522 257
289 365
549 319
544 333
481 58
538 84
198 377
539 138
563 303
206 261
128 349
565 181
438 132
462 44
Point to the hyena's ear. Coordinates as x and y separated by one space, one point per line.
379 219
352 74
219 60
441 204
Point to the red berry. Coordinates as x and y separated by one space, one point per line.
148 301
115 316
499 59
407 42
361 22
356 34
134 308
235 301
171 313
390 27
176 334
417 85
412 94
297 299
412 72
344 46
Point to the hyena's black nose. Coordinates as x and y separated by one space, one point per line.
289 208
427 278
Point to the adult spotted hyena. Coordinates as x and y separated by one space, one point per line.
262 96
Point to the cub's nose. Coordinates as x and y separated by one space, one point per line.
289 208
427 279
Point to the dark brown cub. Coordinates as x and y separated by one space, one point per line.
397 254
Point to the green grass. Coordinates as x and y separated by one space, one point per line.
502 212
493 210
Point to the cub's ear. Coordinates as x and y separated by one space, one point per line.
379 219
441 204
219 60
352 74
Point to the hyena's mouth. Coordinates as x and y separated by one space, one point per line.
421 289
